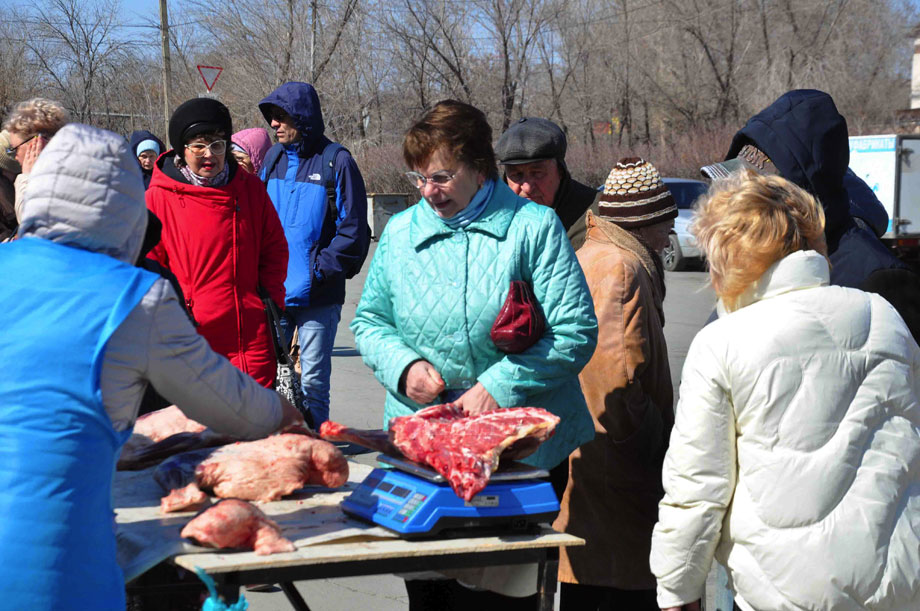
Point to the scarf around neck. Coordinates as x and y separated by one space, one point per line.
201 181
632 242
474 209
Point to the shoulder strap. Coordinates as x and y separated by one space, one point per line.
328 168
271 160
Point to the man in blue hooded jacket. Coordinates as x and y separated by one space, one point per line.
319 194
803 138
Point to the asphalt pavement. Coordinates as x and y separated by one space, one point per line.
357 401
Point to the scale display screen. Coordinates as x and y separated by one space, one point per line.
412 506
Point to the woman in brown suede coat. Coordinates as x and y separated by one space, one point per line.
615 480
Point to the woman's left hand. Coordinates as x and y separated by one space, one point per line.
32 150
476 400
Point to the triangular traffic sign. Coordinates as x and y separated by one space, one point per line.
209 75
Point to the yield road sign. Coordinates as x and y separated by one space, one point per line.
209 75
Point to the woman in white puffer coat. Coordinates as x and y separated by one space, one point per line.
795 455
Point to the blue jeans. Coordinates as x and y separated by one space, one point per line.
316 329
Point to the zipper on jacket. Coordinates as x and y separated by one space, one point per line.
236 293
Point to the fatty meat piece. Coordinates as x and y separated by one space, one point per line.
189 498
164 433
233 523
263 470
164 423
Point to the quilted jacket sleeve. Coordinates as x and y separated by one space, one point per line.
699 478
571 327
273 248
374 325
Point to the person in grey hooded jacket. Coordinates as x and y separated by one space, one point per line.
68 411
156 344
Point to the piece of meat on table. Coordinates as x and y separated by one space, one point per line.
263 470
164 433
270 468
166 422
464 449
378 440
189 498
233 523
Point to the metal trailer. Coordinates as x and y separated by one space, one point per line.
890 165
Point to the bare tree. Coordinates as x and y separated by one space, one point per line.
76 47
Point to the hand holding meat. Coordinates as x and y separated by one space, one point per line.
423 382
476 401
464 449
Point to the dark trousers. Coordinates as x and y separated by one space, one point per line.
578 597
450 595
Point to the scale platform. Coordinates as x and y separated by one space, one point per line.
415 501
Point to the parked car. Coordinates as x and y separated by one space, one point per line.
683 249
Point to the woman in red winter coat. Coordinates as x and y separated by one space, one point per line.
221 236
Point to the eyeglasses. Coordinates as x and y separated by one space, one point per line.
438 179
217 148
11 150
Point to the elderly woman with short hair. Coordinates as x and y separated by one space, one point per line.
439 277
795 453
31 124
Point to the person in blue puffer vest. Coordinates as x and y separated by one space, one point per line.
327 240
66 412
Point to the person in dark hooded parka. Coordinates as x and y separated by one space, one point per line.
802 137
145 147
328 239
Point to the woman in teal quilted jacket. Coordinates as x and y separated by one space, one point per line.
442 271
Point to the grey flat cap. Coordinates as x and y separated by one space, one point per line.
530 139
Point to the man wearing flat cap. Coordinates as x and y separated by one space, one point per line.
532 155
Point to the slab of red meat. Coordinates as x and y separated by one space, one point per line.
378 439
235 523
464 449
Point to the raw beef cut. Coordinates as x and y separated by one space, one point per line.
164 433
188 498
377 440
263 470
464 449
235 523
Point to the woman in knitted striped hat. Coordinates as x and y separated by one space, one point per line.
612 496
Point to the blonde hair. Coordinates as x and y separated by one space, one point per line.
37 116
748 222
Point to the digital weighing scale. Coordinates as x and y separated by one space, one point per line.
415 501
